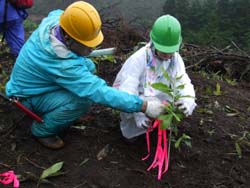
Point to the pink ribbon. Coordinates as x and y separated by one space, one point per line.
9 177
161 154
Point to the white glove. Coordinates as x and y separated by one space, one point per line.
186 106
141 120
154 107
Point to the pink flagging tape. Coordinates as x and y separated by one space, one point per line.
161 159
9 177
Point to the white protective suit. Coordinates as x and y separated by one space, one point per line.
142 68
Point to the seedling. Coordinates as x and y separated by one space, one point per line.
166 121
173 115
232 82
241 142
185 139
217 91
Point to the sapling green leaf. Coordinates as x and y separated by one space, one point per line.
185 96
178 117
163 88
174 93
180 86
173 114
179 77
166 121
166 75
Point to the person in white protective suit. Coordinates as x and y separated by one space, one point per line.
145 67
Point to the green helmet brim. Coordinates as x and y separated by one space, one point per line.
167 49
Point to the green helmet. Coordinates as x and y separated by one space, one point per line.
166 34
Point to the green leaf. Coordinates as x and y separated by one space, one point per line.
188 143
178 142
110 58
169 109
182 86
238 149
52 171
209 91
217 91
162 87
185 138
161 117
84 161
167 121
166 75
232 82
178 117
187 96
165 125
179 77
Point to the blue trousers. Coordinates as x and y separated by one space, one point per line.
58 109
14 35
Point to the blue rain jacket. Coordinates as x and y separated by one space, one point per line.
14 29
38 70
12 13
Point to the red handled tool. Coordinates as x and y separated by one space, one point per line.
23 108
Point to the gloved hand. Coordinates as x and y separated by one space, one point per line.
186 106
141 120
154 107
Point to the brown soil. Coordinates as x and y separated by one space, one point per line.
212 162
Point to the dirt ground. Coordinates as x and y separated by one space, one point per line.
218 123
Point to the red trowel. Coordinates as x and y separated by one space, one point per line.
23 108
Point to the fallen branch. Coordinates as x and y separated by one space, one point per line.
5 165
34 164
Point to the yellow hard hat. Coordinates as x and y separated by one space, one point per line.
82 22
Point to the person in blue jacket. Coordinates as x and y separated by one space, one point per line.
11 26
53 77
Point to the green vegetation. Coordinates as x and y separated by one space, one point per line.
216 23
29 25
